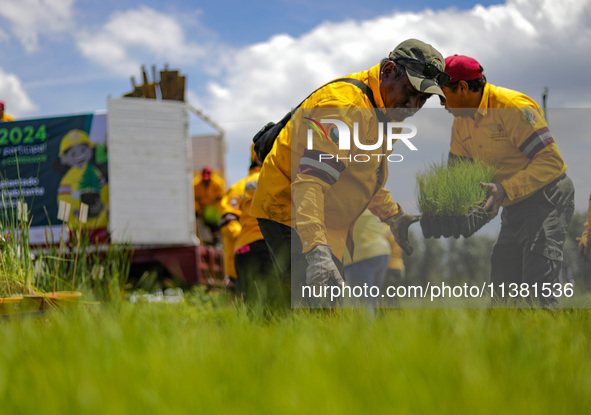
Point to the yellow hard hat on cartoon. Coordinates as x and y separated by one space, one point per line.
72 138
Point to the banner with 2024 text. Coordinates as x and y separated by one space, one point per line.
47 160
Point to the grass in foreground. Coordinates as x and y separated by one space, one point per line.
189 358
453 190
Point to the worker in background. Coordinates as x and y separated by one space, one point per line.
307 207
230 229
230 222
4 116
507 130
585 238
208 190
584 244
254 266
369 263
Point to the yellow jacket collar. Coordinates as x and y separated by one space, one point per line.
484 102
374 84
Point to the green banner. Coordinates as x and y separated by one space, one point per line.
48 161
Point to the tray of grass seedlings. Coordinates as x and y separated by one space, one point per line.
451 199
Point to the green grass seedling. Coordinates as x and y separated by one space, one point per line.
453 190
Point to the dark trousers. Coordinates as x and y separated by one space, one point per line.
285 247
290 263
529 247
255 272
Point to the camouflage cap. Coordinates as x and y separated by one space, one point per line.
414 49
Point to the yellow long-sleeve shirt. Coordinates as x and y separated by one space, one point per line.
208 192
510 133
6 117
369 238
230 225
250 226
396 261
323 199
585 240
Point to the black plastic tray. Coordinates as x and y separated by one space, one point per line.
456 226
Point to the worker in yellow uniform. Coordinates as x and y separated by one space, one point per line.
312 187
82 182
584 244
368 265
585 238
4 116
230 229
507 130
254 266
208 190
230 222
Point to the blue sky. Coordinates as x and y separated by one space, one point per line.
59 68
249 62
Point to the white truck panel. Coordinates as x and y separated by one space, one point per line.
150 172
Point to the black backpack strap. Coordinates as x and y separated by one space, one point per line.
361 85
367 91
265 138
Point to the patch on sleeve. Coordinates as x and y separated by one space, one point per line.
529 115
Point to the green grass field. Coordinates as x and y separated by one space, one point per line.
201 358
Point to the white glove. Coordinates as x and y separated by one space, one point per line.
399 224
322 271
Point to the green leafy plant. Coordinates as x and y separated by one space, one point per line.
454 189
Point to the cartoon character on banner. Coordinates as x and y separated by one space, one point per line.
82 181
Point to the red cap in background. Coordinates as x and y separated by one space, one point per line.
206 173
462 68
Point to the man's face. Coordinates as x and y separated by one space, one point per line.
453 100
457 102
399 94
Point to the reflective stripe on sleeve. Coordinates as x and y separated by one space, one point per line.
327 170
537 141
252 185
227 218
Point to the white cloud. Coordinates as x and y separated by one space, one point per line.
12 93
31 18
522 44
133 37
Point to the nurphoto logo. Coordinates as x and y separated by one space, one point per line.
339 132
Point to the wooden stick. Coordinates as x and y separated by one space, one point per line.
82 219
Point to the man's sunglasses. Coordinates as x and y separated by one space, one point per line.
428 70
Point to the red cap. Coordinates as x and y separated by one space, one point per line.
462 68
206 172
1 104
